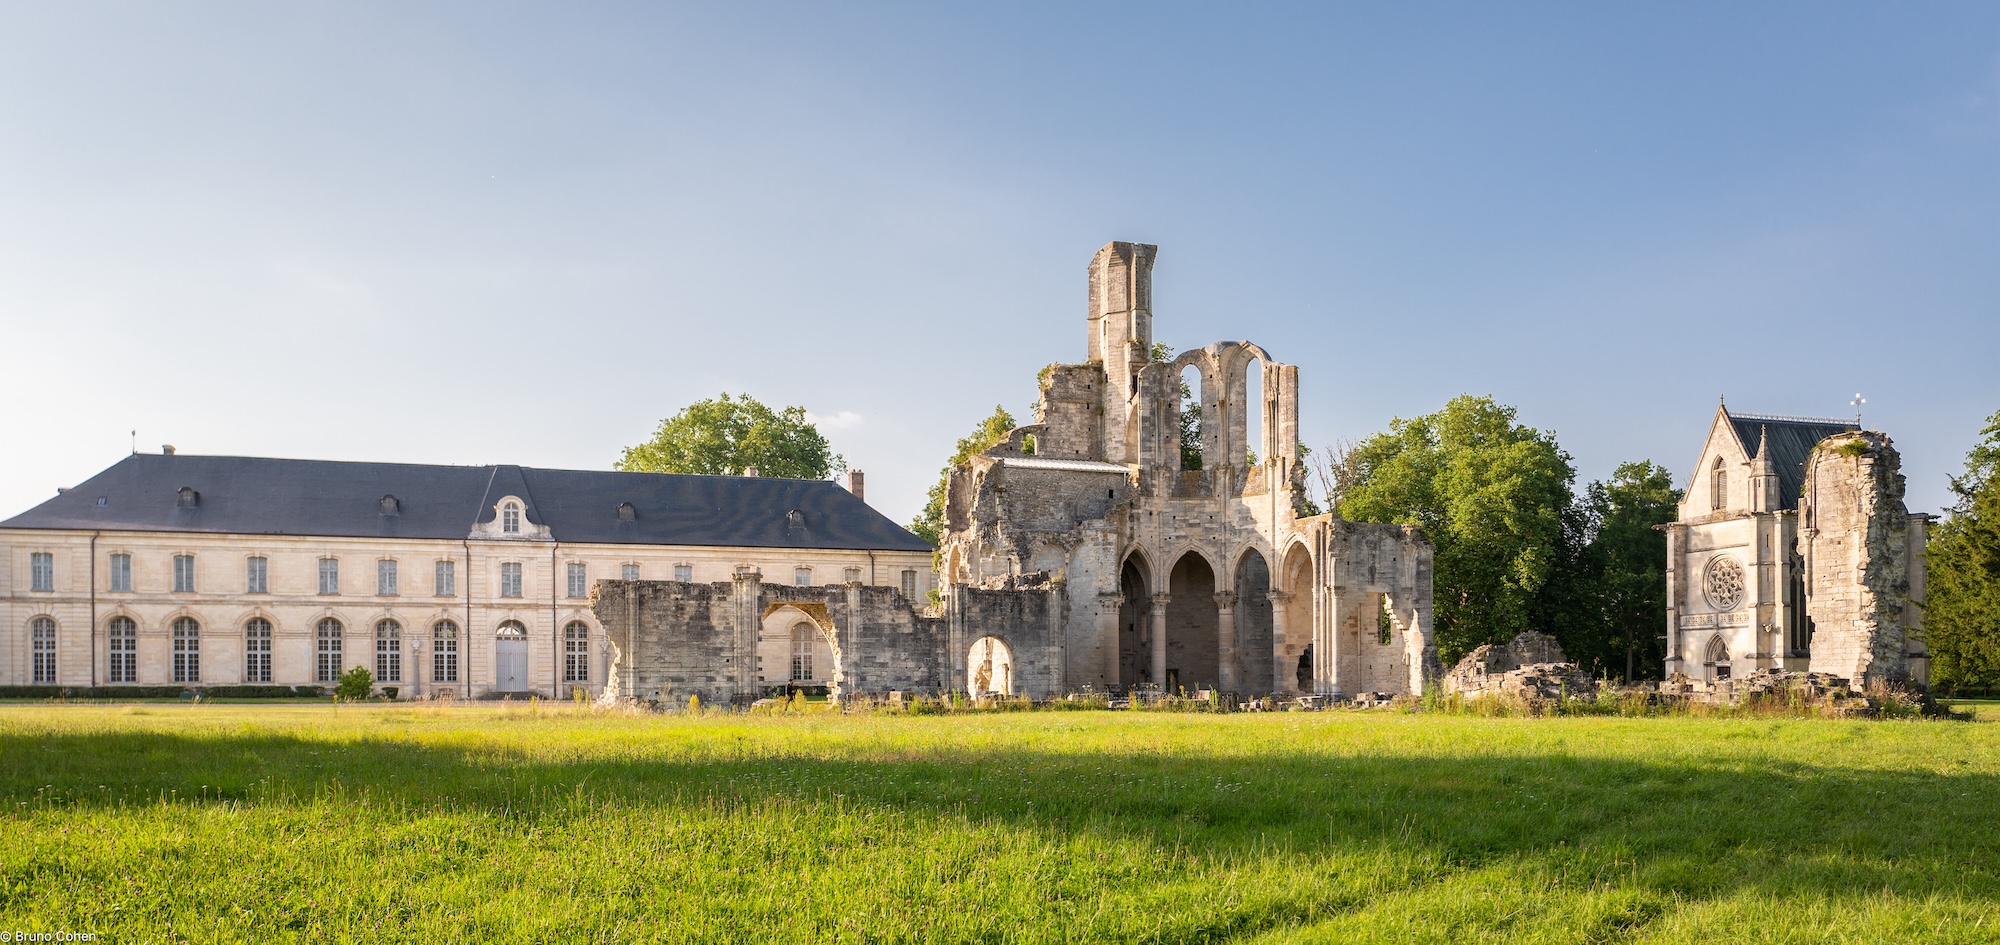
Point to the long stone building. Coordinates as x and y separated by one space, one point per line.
1794 551
200 571
1090 549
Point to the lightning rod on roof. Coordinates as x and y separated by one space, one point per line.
1856 404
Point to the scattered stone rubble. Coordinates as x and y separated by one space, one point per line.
1530 666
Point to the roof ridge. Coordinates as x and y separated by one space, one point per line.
1784 418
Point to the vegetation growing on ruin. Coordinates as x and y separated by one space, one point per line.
310 823
929 523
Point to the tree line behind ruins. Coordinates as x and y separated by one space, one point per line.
1519 546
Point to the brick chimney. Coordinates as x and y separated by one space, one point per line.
854 484
750 471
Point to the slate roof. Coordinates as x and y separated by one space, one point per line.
1791 440
254 496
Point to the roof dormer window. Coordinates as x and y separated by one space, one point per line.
795 519
188 498
626 513
510 519
391 505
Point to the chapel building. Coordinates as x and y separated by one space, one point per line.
1794 551
471 581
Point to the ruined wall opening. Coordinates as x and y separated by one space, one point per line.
989 668
1253 413
1134 616
1254 669
794 652
1294 656
1191 418
1193 651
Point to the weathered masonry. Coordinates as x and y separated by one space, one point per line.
1097 547
1796 553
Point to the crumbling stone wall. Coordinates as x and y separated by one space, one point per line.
1855 538
1532 665
1210 577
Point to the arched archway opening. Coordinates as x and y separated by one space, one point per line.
1191 418
1292 655
1253 622
1193 628
1134 614
796 652
1716 659
1253 412
989 668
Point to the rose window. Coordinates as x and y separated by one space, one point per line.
1724 582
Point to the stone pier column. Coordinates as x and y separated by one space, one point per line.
1225 641
1108 603
1284 675
1159 678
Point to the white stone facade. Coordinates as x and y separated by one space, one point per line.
75 583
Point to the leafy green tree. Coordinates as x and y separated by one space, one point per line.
1492 496
1962 614
929 524
355 684
1607 602
723 436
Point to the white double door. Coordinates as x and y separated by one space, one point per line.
510 664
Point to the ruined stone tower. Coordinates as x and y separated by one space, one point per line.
1213 576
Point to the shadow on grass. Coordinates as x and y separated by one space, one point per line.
1677 829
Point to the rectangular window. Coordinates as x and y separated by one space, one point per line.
510 579
184 574
910 585
385 577
42 571
684 573
44 631
851 575
121 573
629 572
579 582
803 577
124 650
447 578
329 575
187 651
388 652
256 575
257 651
576 652
444 652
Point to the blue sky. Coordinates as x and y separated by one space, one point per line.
499 233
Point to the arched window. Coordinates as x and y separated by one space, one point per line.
328 638
1718 489
124 649
257 650
512 628
804 635
576 652
444 651
187 650
388 651
510 519
1718 651
43 632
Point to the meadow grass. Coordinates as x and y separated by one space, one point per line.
307 822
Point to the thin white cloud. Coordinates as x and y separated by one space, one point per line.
844 420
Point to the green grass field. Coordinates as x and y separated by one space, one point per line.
297 822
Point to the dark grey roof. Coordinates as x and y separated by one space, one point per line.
244 495
1791 440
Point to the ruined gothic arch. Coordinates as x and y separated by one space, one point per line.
1255 628
990 666
1224 368
1298 603
775 641
1193 625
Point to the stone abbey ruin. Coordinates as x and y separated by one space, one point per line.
1089 551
